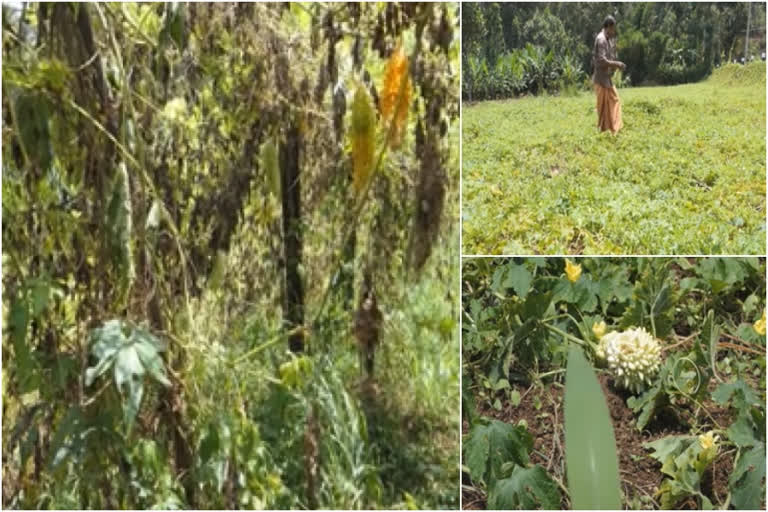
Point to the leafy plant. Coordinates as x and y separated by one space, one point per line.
684 459
525 488
496 453
131 352
747 432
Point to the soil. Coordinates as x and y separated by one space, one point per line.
542 409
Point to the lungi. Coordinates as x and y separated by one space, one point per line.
608 109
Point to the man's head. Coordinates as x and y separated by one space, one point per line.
609 26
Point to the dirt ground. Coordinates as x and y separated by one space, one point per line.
641 475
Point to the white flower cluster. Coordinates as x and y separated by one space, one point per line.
633 356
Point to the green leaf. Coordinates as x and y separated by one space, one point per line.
107 342
744 395
269 164
671 492
526 488
565 291
501 384
178 26
40 291
490 446
210 443
70 439
667 448
476 451
721 272
590 446
468 408
130 358
653 301
519 279
129 374
742 431
148 349
648 403
18 321
536 305
662 301
118 224
587 301
746 481
32 114
684 461
498 275
711 333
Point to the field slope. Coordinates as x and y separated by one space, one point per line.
686 175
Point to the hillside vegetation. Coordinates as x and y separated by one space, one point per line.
230 256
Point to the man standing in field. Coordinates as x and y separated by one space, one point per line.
604 63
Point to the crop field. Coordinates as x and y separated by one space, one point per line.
613 383
686 175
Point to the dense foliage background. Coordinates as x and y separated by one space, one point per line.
528 48
522 315
214 215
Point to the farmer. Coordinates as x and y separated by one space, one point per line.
604 63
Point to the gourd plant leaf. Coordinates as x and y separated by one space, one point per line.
747 431
590 446
527 488
653 301
518 278
684 460
746 480
704 352
490 446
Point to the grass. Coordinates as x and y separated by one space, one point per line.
686 175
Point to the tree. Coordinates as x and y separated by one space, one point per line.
494 42
547 30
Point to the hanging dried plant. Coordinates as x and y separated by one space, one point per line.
396 95
430 197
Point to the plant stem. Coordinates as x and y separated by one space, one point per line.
553 372
272 341
567 336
